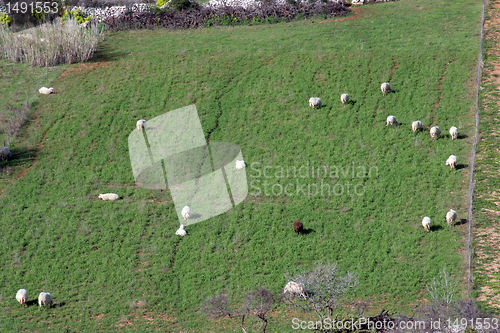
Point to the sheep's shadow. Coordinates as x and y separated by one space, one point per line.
195 216
448 136
33 302
462 136
461 222
307 231
436 228
352 102
461 166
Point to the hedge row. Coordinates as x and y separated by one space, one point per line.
224 15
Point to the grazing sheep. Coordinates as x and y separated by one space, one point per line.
181 231
452 161
295 288
186 212
298 227
426 222
391 120
386 88
240 164
5 154
435 131
453 132
344 98
22 296
44 299
141 124
451 216
109 196
315 102
417 125
46 91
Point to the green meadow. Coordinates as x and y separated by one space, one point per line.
118 266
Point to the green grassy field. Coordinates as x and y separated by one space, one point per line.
118 266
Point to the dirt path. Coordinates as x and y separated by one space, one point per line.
486 238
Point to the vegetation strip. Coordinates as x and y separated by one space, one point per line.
473 155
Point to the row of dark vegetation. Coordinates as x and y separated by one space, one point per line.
19 114
191 15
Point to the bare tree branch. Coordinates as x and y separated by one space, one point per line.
257 303
443 289
325 287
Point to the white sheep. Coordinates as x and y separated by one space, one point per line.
344 98
186 212
295 288
109 196
434 132
44 299
46 91
386 88
427 223
181 231
5 154
417 125
240 164
391 120
22 296
315 102
452 161
453 132
141 124
451 216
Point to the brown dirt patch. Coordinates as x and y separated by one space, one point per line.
487 239
357 14
83 67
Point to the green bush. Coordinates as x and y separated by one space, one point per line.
179 5
5 19
160 3
77 14
38 14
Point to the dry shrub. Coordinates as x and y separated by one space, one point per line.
51 44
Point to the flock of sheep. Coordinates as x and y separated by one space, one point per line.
291 287
435 131
44 298
294 288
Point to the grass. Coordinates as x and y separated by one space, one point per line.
118 266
